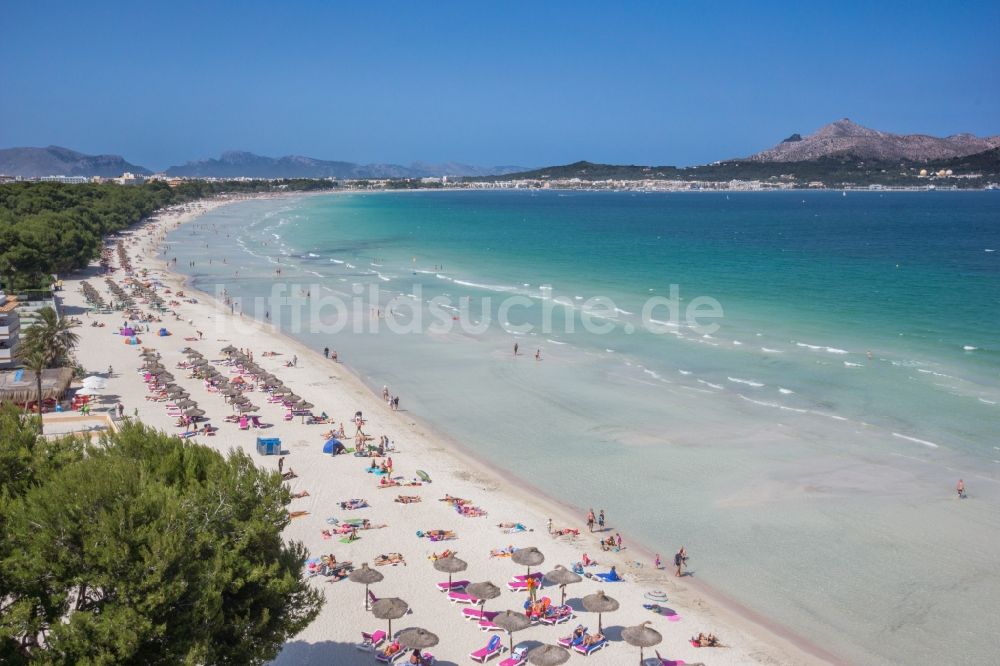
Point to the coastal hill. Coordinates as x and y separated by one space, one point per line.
234 164
833 171
846 137
57 161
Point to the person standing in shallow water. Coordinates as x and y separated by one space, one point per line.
600 520
961 489
679 560
590 520
515 349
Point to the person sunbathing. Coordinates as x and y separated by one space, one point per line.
578 635
290 474
437 535
502 552
391 649
353 504
706 640
297 514
407 499
386 482
299 495
447 552
592 639
566 531
391 558
454 500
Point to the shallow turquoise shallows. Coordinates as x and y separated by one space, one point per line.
804 446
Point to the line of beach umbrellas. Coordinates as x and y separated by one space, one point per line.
641 636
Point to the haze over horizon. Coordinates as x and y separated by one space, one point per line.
526 85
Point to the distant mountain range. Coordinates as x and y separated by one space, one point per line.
827 152
847 138
56 161
236 163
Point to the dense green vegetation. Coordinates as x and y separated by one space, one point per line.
831 171
48 228
144 549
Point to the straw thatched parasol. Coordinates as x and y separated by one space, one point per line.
304 404
416 639
511 621
194 411
548 655
528 557
366 576
389 609
642 636
483 591
187 402
291 397
450 565
199 362
562 577
599 603
229 349
247 408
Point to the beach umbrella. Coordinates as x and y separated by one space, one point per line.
528 557
416 639
483 591
330 445
247 408
562 577
366 576
199 362
291 397
188 349
304 404
511 621
166 377
95 382
389 609
599 603
86 391
548 655
450 565
642 637
194 411
229 349
231 392
282 390
194 353
156 372
186 402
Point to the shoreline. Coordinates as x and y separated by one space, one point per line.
690 590
753 638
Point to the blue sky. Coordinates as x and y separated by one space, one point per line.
487 83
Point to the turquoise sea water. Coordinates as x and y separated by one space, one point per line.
805 451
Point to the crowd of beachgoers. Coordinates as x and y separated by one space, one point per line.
420 549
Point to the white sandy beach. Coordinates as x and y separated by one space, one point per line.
328 480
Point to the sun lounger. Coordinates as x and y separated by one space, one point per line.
380 656
592 648
524 578
371 641
489 651
461 598
570 641
557 615
456 586
517 658
517 585
669 662
486 625
477 614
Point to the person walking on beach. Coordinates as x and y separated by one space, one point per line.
590 520
600 520
281 464
618 540
295 360
326 352
385 393
515 349
538 354
658 563
961 489
680 559
121 410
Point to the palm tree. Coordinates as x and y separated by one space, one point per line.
36 361
52 336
